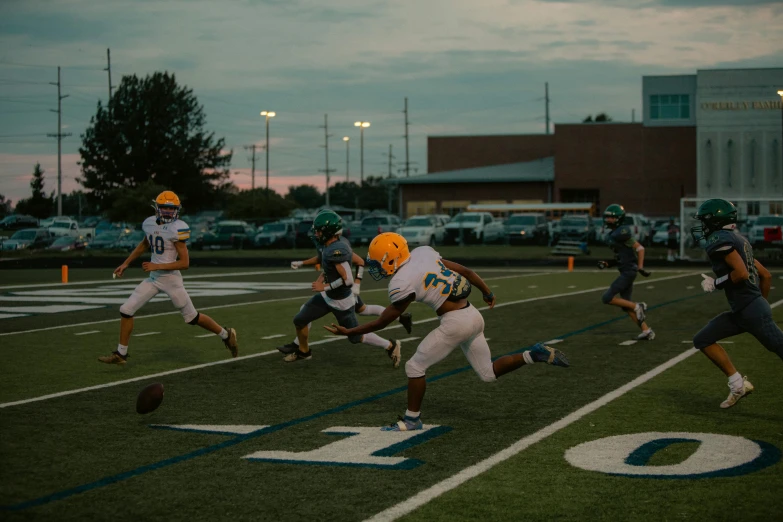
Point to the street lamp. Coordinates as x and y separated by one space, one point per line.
347 141
267 115
362 125
780 93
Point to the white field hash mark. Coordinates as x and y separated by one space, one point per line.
241 358
88 333
407 506
275 336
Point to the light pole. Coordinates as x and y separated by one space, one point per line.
780 93
267 115
362 125
347 141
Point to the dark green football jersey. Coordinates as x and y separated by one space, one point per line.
719 245
330 256
621 241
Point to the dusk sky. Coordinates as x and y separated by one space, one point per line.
467 67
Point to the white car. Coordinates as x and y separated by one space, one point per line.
474 227
756 234
423 230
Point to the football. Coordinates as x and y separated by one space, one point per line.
149 398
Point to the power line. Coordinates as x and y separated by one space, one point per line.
327 170
253 159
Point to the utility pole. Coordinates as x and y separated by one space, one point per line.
633 115
391 158
407 156
546 99
327 170
389 189
108 68
253 163
59 135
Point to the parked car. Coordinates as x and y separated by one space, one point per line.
527 228
229 234
105 240
474 227
576 227
130 240
17 222
28 238
423 230
757 229
278 234
661 234
639 228
600 229
67 243
302 238
69 227
371 226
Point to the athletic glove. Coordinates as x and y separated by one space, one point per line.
644 272
602 265
355 288
708 284
296 264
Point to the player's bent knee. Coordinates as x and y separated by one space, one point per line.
700 341
414 370
487 375
125 315
194 321
607 297
355 339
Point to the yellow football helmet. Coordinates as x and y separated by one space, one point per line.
167 207
388 252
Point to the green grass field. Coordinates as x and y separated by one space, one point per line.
261 439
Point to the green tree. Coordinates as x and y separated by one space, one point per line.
5 206
152 132
133 205
39 205
77 204
345 194
600 117
254 205
374 194
305 196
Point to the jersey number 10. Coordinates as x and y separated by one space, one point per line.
157 246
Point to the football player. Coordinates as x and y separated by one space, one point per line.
166 237
406 319
629 260
746 283
334 291
423 276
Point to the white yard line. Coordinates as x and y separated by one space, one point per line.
145 334
264 301
554 341
776 304
88 333
421 498
226 361
628 343
204 336
275 336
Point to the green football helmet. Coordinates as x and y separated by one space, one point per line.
614 211
326 225
714 214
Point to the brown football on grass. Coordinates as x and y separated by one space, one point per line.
149 398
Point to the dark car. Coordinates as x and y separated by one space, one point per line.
576 228
67 243
105 240
527 228
28 238
303 230
129 241
18 221
280 234
228 234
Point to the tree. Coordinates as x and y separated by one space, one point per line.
600 117
344 194
305 196
39 205
5 206
77 204
258 204
133 205
152 132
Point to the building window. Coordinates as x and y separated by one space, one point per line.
754 208
670 107
709 165
775 165
729 161
752 165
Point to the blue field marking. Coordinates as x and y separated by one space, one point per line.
113 479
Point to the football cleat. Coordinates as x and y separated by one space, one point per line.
114 358
549 355
298 356
647 335
406 320
395 353
731 400
640 310
288 348
231 342
405 424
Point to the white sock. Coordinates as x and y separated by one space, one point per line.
223 334
374 340
647 330
526 356
122 349
736 382
372 310
412 414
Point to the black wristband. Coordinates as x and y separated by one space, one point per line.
489 295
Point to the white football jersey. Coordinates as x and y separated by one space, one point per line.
424 275
161 239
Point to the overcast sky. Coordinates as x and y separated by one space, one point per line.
466 66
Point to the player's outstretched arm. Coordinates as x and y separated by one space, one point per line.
765 279
307 262
139 250
390 314
474 279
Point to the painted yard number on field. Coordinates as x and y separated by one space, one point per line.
357 446
716 455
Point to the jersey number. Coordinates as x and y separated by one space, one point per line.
753 274
432 279
157 246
